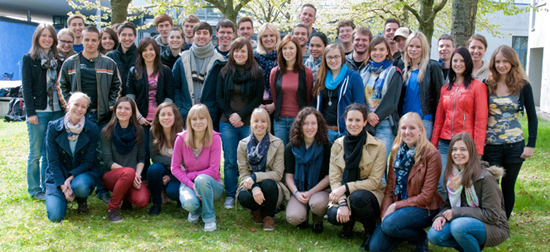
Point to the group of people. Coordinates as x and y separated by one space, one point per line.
300 121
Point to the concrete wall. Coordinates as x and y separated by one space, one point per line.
14 46
538 56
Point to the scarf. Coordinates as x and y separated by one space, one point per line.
454 189
441 63
203 52
49 62
404 161
308 165
353 151
314 65
257 153
379 68
241 77
73 131
267 62
331 84
124 139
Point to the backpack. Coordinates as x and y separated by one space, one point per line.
17 111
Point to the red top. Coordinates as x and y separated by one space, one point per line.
289 87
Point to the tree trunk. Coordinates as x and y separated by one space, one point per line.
119 10
463 20
426 16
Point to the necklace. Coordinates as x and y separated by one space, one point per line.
330 97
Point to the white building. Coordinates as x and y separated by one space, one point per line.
538 56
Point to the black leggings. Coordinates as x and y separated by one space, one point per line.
364 208
271 196
507 184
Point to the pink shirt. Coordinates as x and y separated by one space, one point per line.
207 163
153 82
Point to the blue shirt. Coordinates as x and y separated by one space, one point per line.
78 48
412 97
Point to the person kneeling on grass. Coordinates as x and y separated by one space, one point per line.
71 143
307 159
260 158
474 215
123 154
196 164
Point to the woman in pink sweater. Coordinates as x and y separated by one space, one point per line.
196 164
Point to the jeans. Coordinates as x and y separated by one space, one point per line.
296 212
333 135
271 195
155 174
230 142
462 234
82 186
405 224
209 189
429 127
120 182
384 132
36 177
364 208
281 128
443 148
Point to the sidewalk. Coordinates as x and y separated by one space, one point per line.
543 115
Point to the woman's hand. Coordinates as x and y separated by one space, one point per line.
527 152
373 119
335 195
269 107
144 122
258 195
33 119
343 214
390 210
448 215
165 180
137 181
439 223
303 197
248 183
235 120
66 189
195 189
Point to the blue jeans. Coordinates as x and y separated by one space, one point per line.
462 234
82 185
155 173
443 148
384 132
281 128
36 177
429 127
405 224
230 142
333 135
209 189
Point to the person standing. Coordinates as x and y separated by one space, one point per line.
317 44
390 27
307 17
126 53
163 24
225 31
300 32
176 45
477 45
39 76
361 40
266 56
400 39
76 24
245 28
188 26
65 45
109 40
344 32
445 47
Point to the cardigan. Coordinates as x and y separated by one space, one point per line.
34 84
139 89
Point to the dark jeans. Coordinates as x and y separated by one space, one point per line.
364 208
82 186
405 224
147 159
230 141
155 174
507 156
271 195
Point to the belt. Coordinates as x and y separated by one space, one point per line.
93 111
335 128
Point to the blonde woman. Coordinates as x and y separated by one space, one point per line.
266 56
65 37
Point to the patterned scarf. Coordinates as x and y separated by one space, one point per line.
308 165
404 161
49 62
257 153
73 130
266 62
314 65
379 68
454 189
203 52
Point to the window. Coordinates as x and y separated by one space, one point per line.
519 43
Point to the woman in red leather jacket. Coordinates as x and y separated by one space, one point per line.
462 108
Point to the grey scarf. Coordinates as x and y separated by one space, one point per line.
49 62
204 52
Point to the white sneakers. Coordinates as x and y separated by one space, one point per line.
193 218
209 227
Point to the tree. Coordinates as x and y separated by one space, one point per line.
426 15
228 8
268 11
119 10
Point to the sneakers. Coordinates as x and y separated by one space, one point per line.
347 232
365 244
114 216
257 216
303 225
83 208
105 198
155 210
269 223
423 246
40 196
193 218
209 227
317 228
229 202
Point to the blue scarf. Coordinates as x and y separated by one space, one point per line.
404 161
257 153
333 84
124 140
374 67
440 62
308 165
378 68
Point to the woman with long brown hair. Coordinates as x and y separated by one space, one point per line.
162 136
108 41
509 94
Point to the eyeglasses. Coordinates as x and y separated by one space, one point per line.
334 58
65 41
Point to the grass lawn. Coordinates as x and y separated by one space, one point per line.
25 226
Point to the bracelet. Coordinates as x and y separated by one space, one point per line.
139 117
296 192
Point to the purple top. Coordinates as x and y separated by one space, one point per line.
207 163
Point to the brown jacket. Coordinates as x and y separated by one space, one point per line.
421 184
275 165
372 165
491 206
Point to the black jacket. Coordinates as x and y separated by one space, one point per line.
430 87
168 58
139 89
124 61
34 85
